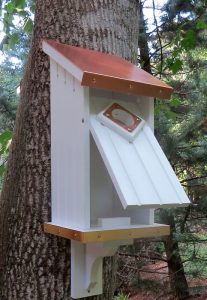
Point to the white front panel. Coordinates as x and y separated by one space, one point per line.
69 150
105 202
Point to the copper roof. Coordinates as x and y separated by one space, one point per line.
106 71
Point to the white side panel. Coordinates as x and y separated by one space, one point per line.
140 171
146 108
101 187
69 150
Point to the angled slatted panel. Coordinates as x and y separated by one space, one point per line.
140 171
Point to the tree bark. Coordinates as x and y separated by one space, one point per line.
34 265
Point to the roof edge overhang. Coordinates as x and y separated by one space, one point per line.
125 86
142 83
158 206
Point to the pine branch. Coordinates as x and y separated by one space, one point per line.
193 178
142 256
159 38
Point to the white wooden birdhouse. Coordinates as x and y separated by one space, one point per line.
108 171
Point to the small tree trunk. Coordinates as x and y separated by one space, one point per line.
143 43
34 265
178 280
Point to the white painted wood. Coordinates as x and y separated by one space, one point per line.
114 222
141 105
94 264
98 228
113 164
70 165
140 215
101 187
162 177
87 266
105 202
62 61
138 170
79 273
146 108
164 163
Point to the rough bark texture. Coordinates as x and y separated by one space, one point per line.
178 280
34 265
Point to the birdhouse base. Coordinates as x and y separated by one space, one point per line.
90 246
101 234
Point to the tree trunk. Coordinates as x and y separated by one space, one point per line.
178 280
34 265
144 59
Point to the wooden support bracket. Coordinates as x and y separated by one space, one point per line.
87 265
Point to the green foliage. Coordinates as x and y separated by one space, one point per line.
160 249
201 25
10 81
5 141
174 64
181 124
194 255
183 28
17 16
121 297
13 40
28 25
189 41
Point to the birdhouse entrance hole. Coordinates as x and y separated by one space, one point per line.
122 117
121 120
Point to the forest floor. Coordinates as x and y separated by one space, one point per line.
157 285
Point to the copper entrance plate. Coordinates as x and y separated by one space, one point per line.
122 117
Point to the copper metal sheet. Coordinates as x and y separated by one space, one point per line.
106 71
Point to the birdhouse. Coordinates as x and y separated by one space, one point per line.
108 171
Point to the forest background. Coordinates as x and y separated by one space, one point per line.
172 46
